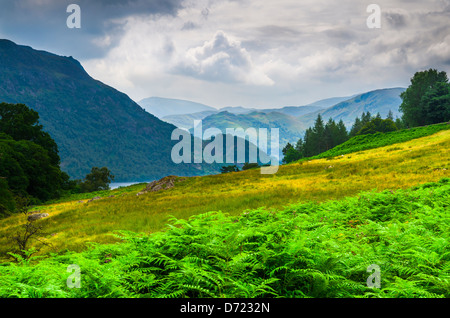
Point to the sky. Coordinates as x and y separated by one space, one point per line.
251 53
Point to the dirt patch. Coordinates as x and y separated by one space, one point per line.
162 184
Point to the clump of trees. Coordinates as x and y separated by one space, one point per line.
30 163
230 168
427 100
29 160
324 136
98 179
235 168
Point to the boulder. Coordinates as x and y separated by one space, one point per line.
162 184
95 198
37 216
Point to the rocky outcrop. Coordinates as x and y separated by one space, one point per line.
37 216
162 184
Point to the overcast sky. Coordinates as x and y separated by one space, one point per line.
252 53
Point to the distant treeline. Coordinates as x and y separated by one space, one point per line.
325 136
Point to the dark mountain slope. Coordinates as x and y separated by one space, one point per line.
92 123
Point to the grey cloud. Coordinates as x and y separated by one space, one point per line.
43 23
205 13
221 60
395 20
340 37
276 31
189 25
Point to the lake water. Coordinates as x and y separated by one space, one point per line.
115 185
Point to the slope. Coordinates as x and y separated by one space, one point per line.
186 121
161 107
378 101
92 123
290 129
75 221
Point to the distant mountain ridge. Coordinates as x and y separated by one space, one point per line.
186 120
290 128
161 107
377 101
294 120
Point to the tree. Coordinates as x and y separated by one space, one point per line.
31 230
360 123
318 136
248 166
7 202
378 125
342 134
436 103
300 147
290 154
28 169
226 169
309 146
390 115
399 123
356 127
426 100
329 134
29 160
22 123
98 179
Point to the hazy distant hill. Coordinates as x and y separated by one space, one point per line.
92 123
313 107
161 107
381 100
292 121
238 110
290 128
186 121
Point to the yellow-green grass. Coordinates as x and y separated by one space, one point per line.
73 223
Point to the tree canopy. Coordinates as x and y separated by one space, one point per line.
427 100
322 137
22 123
98 179
29 160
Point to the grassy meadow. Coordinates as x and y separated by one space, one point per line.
304 250
74 222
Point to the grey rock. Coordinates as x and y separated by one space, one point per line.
37 216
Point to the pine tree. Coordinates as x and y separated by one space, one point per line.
390 115
319 130
342 134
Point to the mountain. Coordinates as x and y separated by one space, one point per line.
238 110
293 110
290 128
161 107
378 101
306 109
92 123
186 121
328 102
